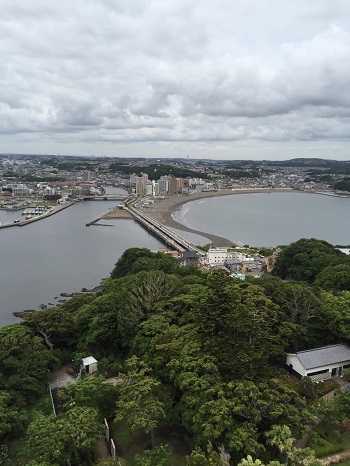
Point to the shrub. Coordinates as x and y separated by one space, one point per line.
325 387
289 382
325 448
307 387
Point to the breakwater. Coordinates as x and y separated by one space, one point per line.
49 213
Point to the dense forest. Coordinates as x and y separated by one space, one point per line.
199 361
156 170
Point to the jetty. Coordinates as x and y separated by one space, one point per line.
48 213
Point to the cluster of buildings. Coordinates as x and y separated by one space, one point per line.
143 186
64 190
239 264
102 171
236 262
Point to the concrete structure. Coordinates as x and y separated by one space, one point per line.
319 363
217 256
222 255
173 186
149 189
345 251
156 188
21 190
163 185
90 364
140 187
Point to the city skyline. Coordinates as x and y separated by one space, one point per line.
235 80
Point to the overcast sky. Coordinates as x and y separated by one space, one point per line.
228 79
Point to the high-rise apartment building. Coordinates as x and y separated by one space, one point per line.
163 185
140 187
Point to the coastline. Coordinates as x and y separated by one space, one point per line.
53 210
162 211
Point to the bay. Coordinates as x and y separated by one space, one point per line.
270 219
61 254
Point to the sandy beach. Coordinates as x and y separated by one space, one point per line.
162 210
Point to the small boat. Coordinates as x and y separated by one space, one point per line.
17 220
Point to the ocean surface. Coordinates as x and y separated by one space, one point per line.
61 254
270 219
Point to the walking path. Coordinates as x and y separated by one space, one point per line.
61 375
336 458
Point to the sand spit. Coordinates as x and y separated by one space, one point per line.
163 210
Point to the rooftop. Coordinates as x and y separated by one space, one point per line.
89 360
324 356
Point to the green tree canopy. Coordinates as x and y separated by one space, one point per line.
306 258
335 278
134 260
59 439
92 392
138 404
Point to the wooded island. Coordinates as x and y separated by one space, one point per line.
198 364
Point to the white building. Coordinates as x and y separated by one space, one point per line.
90 364
149 189
21 190
345 251
319 363
163 185
156 188
219 256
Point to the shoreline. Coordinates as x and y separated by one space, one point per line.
162 211
52 211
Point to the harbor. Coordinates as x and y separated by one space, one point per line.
35 214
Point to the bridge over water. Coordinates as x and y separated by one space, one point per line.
105 197
165 234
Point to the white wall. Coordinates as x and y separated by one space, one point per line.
297 366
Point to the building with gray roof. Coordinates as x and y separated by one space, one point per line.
319 363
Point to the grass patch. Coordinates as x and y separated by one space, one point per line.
329 441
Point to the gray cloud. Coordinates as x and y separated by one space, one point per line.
156 75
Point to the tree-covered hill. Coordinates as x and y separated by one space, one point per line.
315 262
198 354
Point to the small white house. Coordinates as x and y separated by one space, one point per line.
319 363
90 364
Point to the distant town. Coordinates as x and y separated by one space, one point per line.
65 178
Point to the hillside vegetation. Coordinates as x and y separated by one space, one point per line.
199 358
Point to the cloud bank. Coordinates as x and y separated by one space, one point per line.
221 79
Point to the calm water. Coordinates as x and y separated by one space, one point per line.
60 254
270 219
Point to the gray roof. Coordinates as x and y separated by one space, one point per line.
324 356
